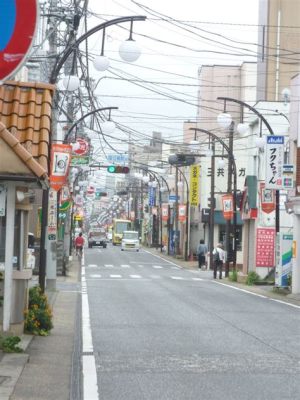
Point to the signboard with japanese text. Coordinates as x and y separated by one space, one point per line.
117 158
18 21
194 185
60 163
52 215
274 162
82 147
151 195
79 160
265 247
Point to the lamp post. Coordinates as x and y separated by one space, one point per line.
268 126
129 52
232 171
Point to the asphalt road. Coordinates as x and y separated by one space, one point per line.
164 333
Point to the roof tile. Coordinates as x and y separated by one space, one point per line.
25 110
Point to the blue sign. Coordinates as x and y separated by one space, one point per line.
117 158
174 198
275 139
152 196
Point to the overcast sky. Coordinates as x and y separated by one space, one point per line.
207 23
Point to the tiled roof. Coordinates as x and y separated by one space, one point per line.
25 111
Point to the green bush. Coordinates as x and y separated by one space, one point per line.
233 276
38 316
9 344
252 278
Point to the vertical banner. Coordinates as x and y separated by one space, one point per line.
267 198
60 163
194 185
284 255
52 215
274 162
265 247
151 195
165 212
182 212
227 203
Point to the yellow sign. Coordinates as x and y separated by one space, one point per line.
194 185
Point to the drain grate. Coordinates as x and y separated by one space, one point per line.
88 353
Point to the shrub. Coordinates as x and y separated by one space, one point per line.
10 344
252 278
38 316
233 276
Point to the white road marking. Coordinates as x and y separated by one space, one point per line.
125 266
95 276
135 276
178 278
257 294
175 268
108 265
197 279
90 386
115 276
92 266
164 261
157 266
140 266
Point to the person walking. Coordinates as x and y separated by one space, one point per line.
219 257
201 253
79 242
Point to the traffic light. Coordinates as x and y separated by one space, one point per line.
181 159
100 194
117 169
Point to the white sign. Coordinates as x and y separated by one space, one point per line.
52 215
274 162
2 200
284 255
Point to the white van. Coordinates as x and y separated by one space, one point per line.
130 241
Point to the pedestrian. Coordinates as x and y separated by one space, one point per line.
219 257
201 253
79 242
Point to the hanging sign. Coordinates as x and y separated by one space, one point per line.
60 163
164 212
194 185
274 162
151 195
284 255
267 199
18 21
182 212
227 203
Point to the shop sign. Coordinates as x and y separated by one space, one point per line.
274 162
265 247
182 212
60 163
2 200
52 215
164 212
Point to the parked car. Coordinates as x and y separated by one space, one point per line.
97 237
130 241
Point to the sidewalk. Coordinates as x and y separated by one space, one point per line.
44 370
264 290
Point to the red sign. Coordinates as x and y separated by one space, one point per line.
182 212
18 20
60 163
265 247
164 212
227 202
82 148
267 198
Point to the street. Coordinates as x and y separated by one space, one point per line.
162 332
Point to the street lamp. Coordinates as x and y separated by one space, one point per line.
231 171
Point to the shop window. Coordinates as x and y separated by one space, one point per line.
222 235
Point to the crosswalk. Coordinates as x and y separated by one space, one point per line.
136 277
110 266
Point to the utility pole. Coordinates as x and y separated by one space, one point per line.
229 191
176 236
212 206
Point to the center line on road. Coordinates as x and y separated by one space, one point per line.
135 276
95 276
115 276
108 265
92 266
177 278
157 266
125 266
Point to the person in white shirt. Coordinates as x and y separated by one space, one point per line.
219 257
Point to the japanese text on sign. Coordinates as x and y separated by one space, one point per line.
274 162
265 247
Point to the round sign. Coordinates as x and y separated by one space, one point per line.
18 20
82 147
